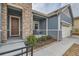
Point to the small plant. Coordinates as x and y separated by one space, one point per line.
44 38
31 40
76 30
49 37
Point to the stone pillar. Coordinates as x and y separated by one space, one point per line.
0 22
32 24
4 22
26 19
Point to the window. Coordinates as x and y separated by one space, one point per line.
36 25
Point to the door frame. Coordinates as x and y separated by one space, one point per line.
10 24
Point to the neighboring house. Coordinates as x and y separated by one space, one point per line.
19 20
76 26
75 11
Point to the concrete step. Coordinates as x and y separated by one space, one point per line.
12 42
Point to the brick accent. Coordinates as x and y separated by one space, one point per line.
26 17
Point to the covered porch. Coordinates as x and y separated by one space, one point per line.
39 25
14 22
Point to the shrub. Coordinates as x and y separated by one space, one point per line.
44 38
49 37
31 40
76 30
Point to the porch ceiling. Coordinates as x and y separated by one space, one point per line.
35 17
14 8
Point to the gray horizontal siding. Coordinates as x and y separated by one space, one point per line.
53 22
60 35
42 26
53 34
66 18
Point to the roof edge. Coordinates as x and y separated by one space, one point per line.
51 13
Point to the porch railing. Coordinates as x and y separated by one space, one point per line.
28 49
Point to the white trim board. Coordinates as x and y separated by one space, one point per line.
14 5
66 22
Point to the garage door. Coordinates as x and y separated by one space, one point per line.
66 31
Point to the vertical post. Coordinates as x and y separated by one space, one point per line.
58 36
31 50
46 26
27 51
22 52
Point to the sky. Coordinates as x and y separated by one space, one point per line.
46 7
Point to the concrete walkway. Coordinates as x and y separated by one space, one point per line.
10 45
53 49
57 48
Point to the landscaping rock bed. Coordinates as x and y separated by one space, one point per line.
43 43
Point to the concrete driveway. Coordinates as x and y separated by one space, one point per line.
57 48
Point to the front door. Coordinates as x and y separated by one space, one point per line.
14 26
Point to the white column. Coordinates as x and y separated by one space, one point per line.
46 26
58 27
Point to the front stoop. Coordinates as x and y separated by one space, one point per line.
11 41
3 41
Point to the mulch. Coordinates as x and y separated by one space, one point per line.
76 33
43 43
73 50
